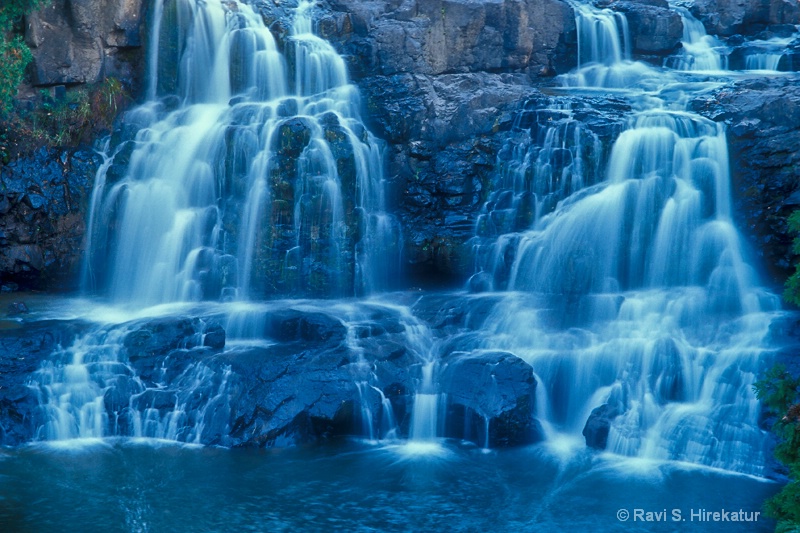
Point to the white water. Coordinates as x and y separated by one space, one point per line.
701 52
635 292
211 171
201 207
767 54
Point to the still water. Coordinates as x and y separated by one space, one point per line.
130 485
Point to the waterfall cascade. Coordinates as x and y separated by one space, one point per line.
614 267
631 296
248 173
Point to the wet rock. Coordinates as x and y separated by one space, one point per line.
44 200
598 425
490 390
293 136
214 336
160 336
292 325
654 27
23 350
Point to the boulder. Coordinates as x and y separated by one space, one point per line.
492 391
598 425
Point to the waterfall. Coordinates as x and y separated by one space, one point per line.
631 296
551 155
245 174
700 50
604 51
768 54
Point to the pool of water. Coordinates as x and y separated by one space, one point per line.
138 486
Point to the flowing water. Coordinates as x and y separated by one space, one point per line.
246 176
646 304
607 260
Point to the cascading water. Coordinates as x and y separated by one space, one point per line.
604 52
248 174
700 51
769 54
632 299
624 281
245 174
551 156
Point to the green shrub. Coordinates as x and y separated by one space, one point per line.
778 391
791 291
14 57
14 53
12 10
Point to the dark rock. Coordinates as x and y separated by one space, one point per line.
160 336
23 350
494 390
598 425
654 27
293 136
729 17
214 336
291 325
44 203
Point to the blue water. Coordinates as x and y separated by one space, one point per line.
147 486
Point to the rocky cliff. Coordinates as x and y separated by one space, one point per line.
442 82
84 41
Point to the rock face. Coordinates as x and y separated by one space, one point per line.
729 17
438 80
450 36
43 200
763 118
83 41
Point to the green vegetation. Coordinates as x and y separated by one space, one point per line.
50 118
79 117
778 391
44 120
14 57
14 53
792 290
